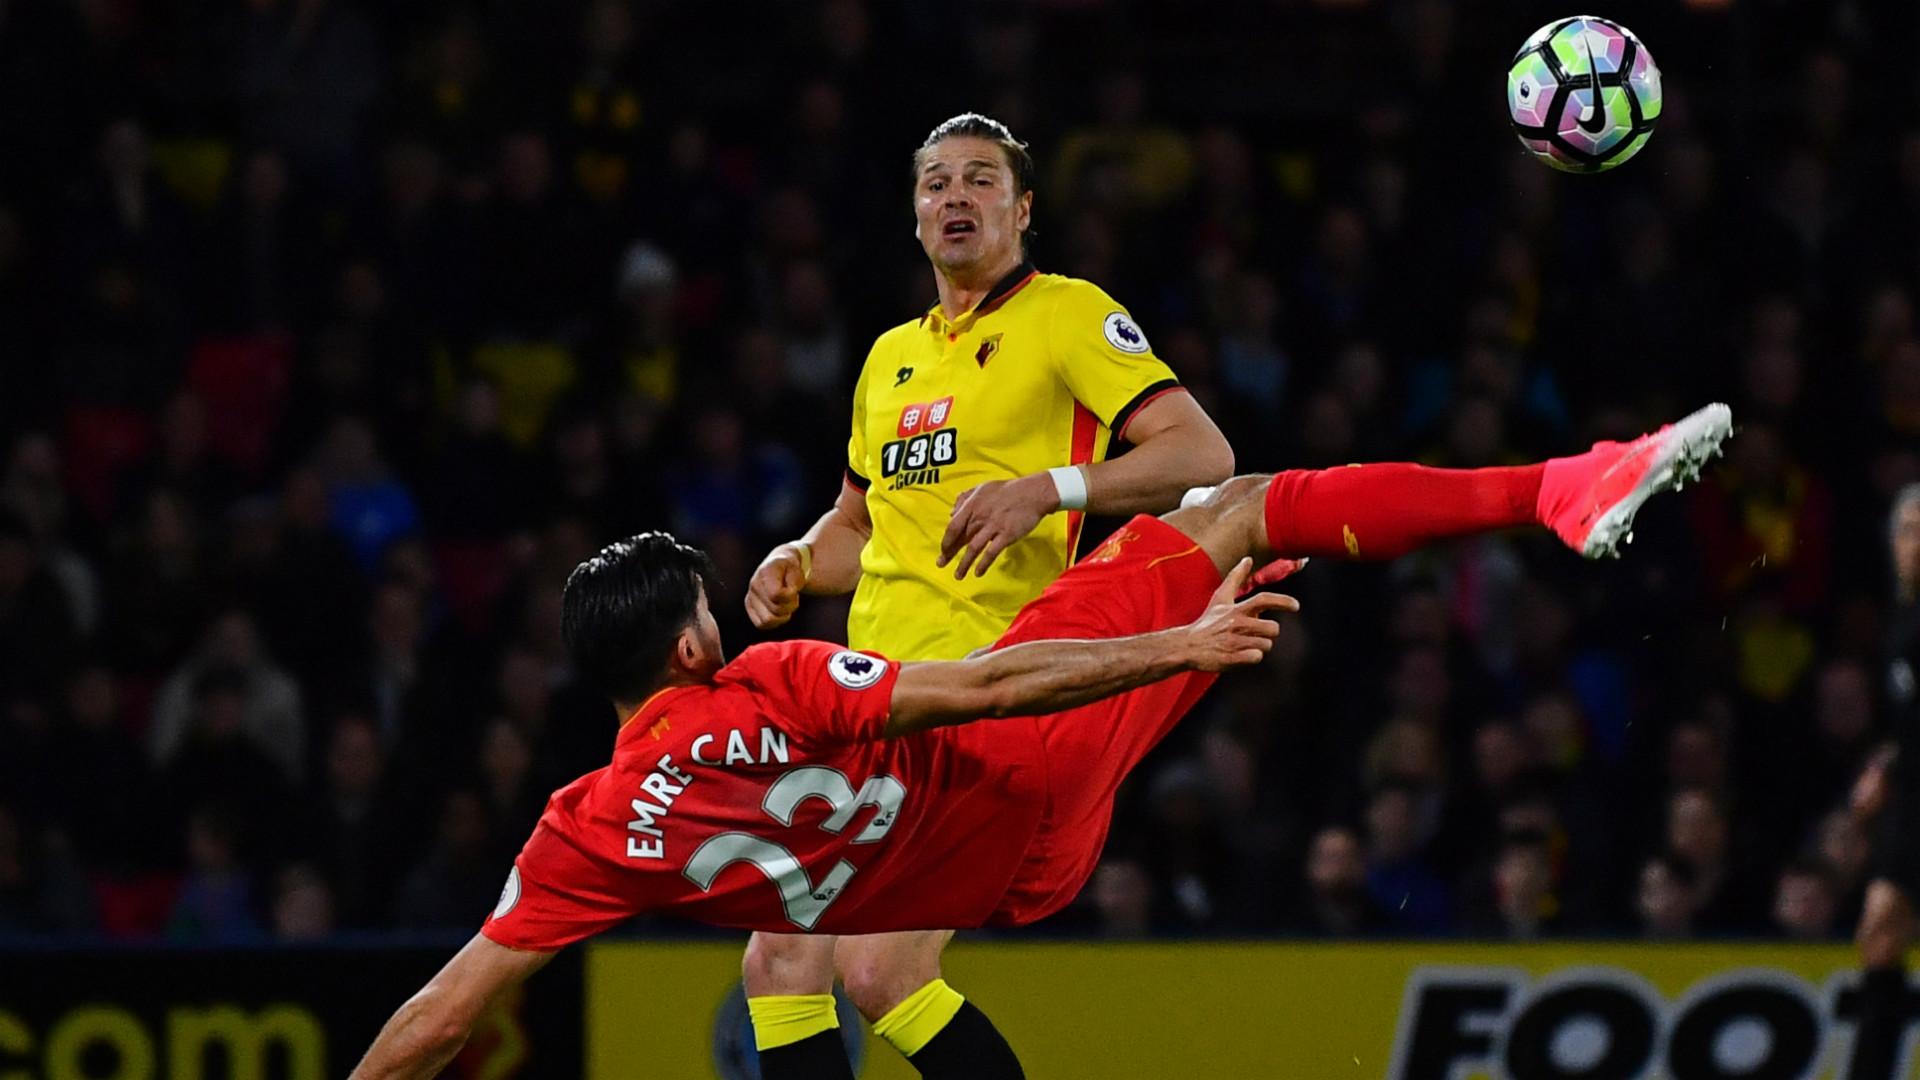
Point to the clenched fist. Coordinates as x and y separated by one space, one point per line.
774 593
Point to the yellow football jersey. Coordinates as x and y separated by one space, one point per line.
1040 373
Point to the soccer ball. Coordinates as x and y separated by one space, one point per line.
1583 94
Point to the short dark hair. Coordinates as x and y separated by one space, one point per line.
975 125
623 608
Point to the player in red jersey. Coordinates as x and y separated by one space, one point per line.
809 787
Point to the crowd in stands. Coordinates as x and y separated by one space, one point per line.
333 335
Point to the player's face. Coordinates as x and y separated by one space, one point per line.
969 215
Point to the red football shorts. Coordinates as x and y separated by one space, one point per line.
1147 576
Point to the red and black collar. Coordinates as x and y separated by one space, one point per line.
1002 291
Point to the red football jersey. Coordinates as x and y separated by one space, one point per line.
768 800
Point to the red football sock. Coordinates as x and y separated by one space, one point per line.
1385 511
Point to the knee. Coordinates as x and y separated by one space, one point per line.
878 979
778 964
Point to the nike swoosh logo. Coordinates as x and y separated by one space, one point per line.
1598 112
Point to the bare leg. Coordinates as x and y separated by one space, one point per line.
1230 523
785 976
881 970
894 979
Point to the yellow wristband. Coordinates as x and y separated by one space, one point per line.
784 1019
806 560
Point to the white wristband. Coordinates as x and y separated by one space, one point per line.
1071 483
805 551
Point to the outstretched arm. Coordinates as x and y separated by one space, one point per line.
1049 676
824 562
433 1025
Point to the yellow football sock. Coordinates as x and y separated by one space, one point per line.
784 1019
914 1022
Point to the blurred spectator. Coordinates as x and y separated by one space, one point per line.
534 239
256 264
1252 363
1399 879
183 461
1523 902
1122 893
219 766
816 340
389 672
1666 899
1189 845
271 718
1805 902
1843 731
513 795
216 901
1333 287
354 831
32 486
479 485
411 232
299 578
157 586
1124 160
92 752
305 72
449 887
733 486
774 409
647 339
1698 831
1336 902
37 623
371 507
608 107
581 479
302 905
40 890
447 91
1765 522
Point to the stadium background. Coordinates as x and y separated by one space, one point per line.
333 334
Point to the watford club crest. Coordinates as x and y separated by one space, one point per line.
988 347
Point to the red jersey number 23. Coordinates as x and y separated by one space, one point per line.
803 901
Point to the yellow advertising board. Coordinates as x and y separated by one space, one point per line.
1255 1011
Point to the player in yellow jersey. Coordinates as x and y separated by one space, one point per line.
980 438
